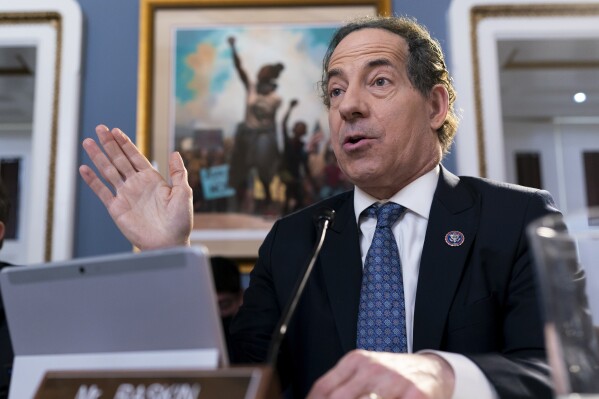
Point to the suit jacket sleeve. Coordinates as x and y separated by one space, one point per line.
521 370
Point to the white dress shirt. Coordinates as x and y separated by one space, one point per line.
409 232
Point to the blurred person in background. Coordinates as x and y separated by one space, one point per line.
6 353
229 292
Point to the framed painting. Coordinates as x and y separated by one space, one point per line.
40 58
232 86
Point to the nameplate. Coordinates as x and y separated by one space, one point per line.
231 383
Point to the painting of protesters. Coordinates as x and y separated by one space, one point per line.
247 149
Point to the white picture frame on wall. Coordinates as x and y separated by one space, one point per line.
475 28
47 148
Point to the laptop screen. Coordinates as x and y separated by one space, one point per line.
151 301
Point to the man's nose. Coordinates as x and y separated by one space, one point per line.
353 104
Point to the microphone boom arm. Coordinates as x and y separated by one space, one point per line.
325 219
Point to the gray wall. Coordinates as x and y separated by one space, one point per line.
109 96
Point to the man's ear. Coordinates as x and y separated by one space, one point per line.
2 230
438 105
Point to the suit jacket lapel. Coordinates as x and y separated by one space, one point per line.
341 266
454 208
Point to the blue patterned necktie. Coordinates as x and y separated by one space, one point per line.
382 316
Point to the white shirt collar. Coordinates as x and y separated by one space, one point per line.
416 197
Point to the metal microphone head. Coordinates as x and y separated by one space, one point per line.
324 214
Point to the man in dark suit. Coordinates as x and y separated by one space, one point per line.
465 309
476 299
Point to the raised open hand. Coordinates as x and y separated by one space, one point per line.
149 211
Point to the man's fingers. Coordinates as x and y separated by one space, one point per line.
362 374
335 378
94 182
102 163
374 380
137 159
114 151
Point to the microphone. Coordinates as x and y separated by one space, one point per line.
323 219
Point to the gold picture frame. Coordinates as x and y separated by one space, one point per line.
163 24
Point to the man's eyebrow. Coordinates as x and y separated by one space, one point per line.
379 62
334 72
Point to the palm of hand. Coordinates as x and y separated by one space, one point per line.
145 203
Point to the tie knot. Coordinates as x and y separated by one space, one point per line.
386 214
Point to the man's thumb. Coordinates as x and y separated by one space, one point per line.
177 171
